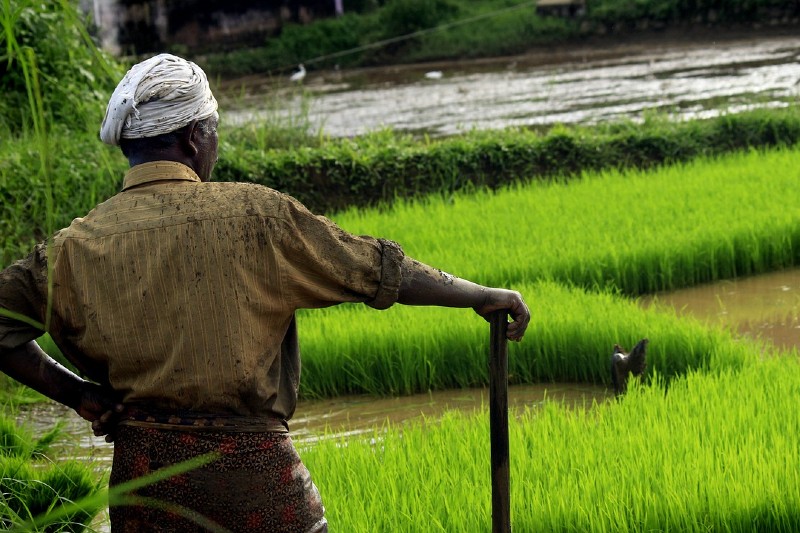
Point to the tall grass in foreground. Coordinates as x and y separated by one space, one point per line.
640 231
717 451
54 80
351 349
62 518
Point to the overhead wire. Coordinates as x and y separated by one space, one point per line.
418 33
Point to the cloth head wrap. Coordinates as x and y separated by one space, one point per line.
157 96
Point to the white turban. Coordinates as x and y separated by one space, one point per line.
157 96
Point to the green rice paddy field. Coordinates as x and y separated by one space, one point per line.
708 442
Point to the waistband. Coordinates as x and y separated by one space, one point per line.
180 420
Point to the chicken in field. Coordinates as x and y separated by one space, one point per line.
624 364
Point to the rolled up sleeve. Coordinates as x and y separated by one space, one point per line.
391 275
325 265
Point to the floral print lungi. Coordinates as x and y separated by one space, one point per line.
256 483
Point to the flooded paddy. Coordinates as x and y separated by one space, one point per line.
766 306
315 419
583 86
688 81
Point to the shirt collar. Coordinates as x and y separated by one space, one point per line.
158 171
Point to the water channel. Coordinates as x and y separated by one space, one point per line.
766 306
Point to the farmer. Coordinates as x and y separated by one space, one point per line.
176 298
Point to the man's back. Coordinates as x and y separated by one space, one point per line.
186 291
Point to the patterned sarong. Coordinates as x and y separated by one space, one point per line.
258 482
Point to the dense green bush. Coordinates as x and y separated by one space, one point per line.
629 12
505 33
402 17
85 173
376 169
481 29
368 38
54 83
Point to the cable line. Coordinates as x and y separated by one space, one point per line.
400 38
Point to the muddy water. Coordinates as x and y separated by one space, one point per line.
765 306
687 80
345 416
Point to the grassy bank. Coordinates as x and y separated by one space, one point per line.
373 170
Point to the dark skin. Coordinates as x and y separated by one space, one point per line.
31 366
197 148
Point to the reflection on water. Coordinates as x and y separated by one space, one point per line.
689 80
765 306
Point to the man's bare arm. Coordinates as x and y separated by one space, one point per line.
31 366
425 285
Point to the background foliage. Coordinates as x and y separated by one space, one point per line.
481 29
376 169
51 38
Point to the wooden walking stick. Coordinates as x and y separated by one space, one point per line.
498 421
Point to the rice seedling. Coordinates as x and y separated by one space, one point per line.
714 451
666 228
18 441
639 231
349 349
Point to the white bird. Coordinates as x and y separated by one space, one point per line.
434 75
299 75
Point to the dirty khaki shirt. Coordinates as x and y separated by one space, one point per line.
181 294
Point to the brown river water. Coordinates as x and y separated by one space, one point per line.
698 78
765 306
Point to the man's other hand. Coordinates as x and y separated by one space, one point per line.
98 406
